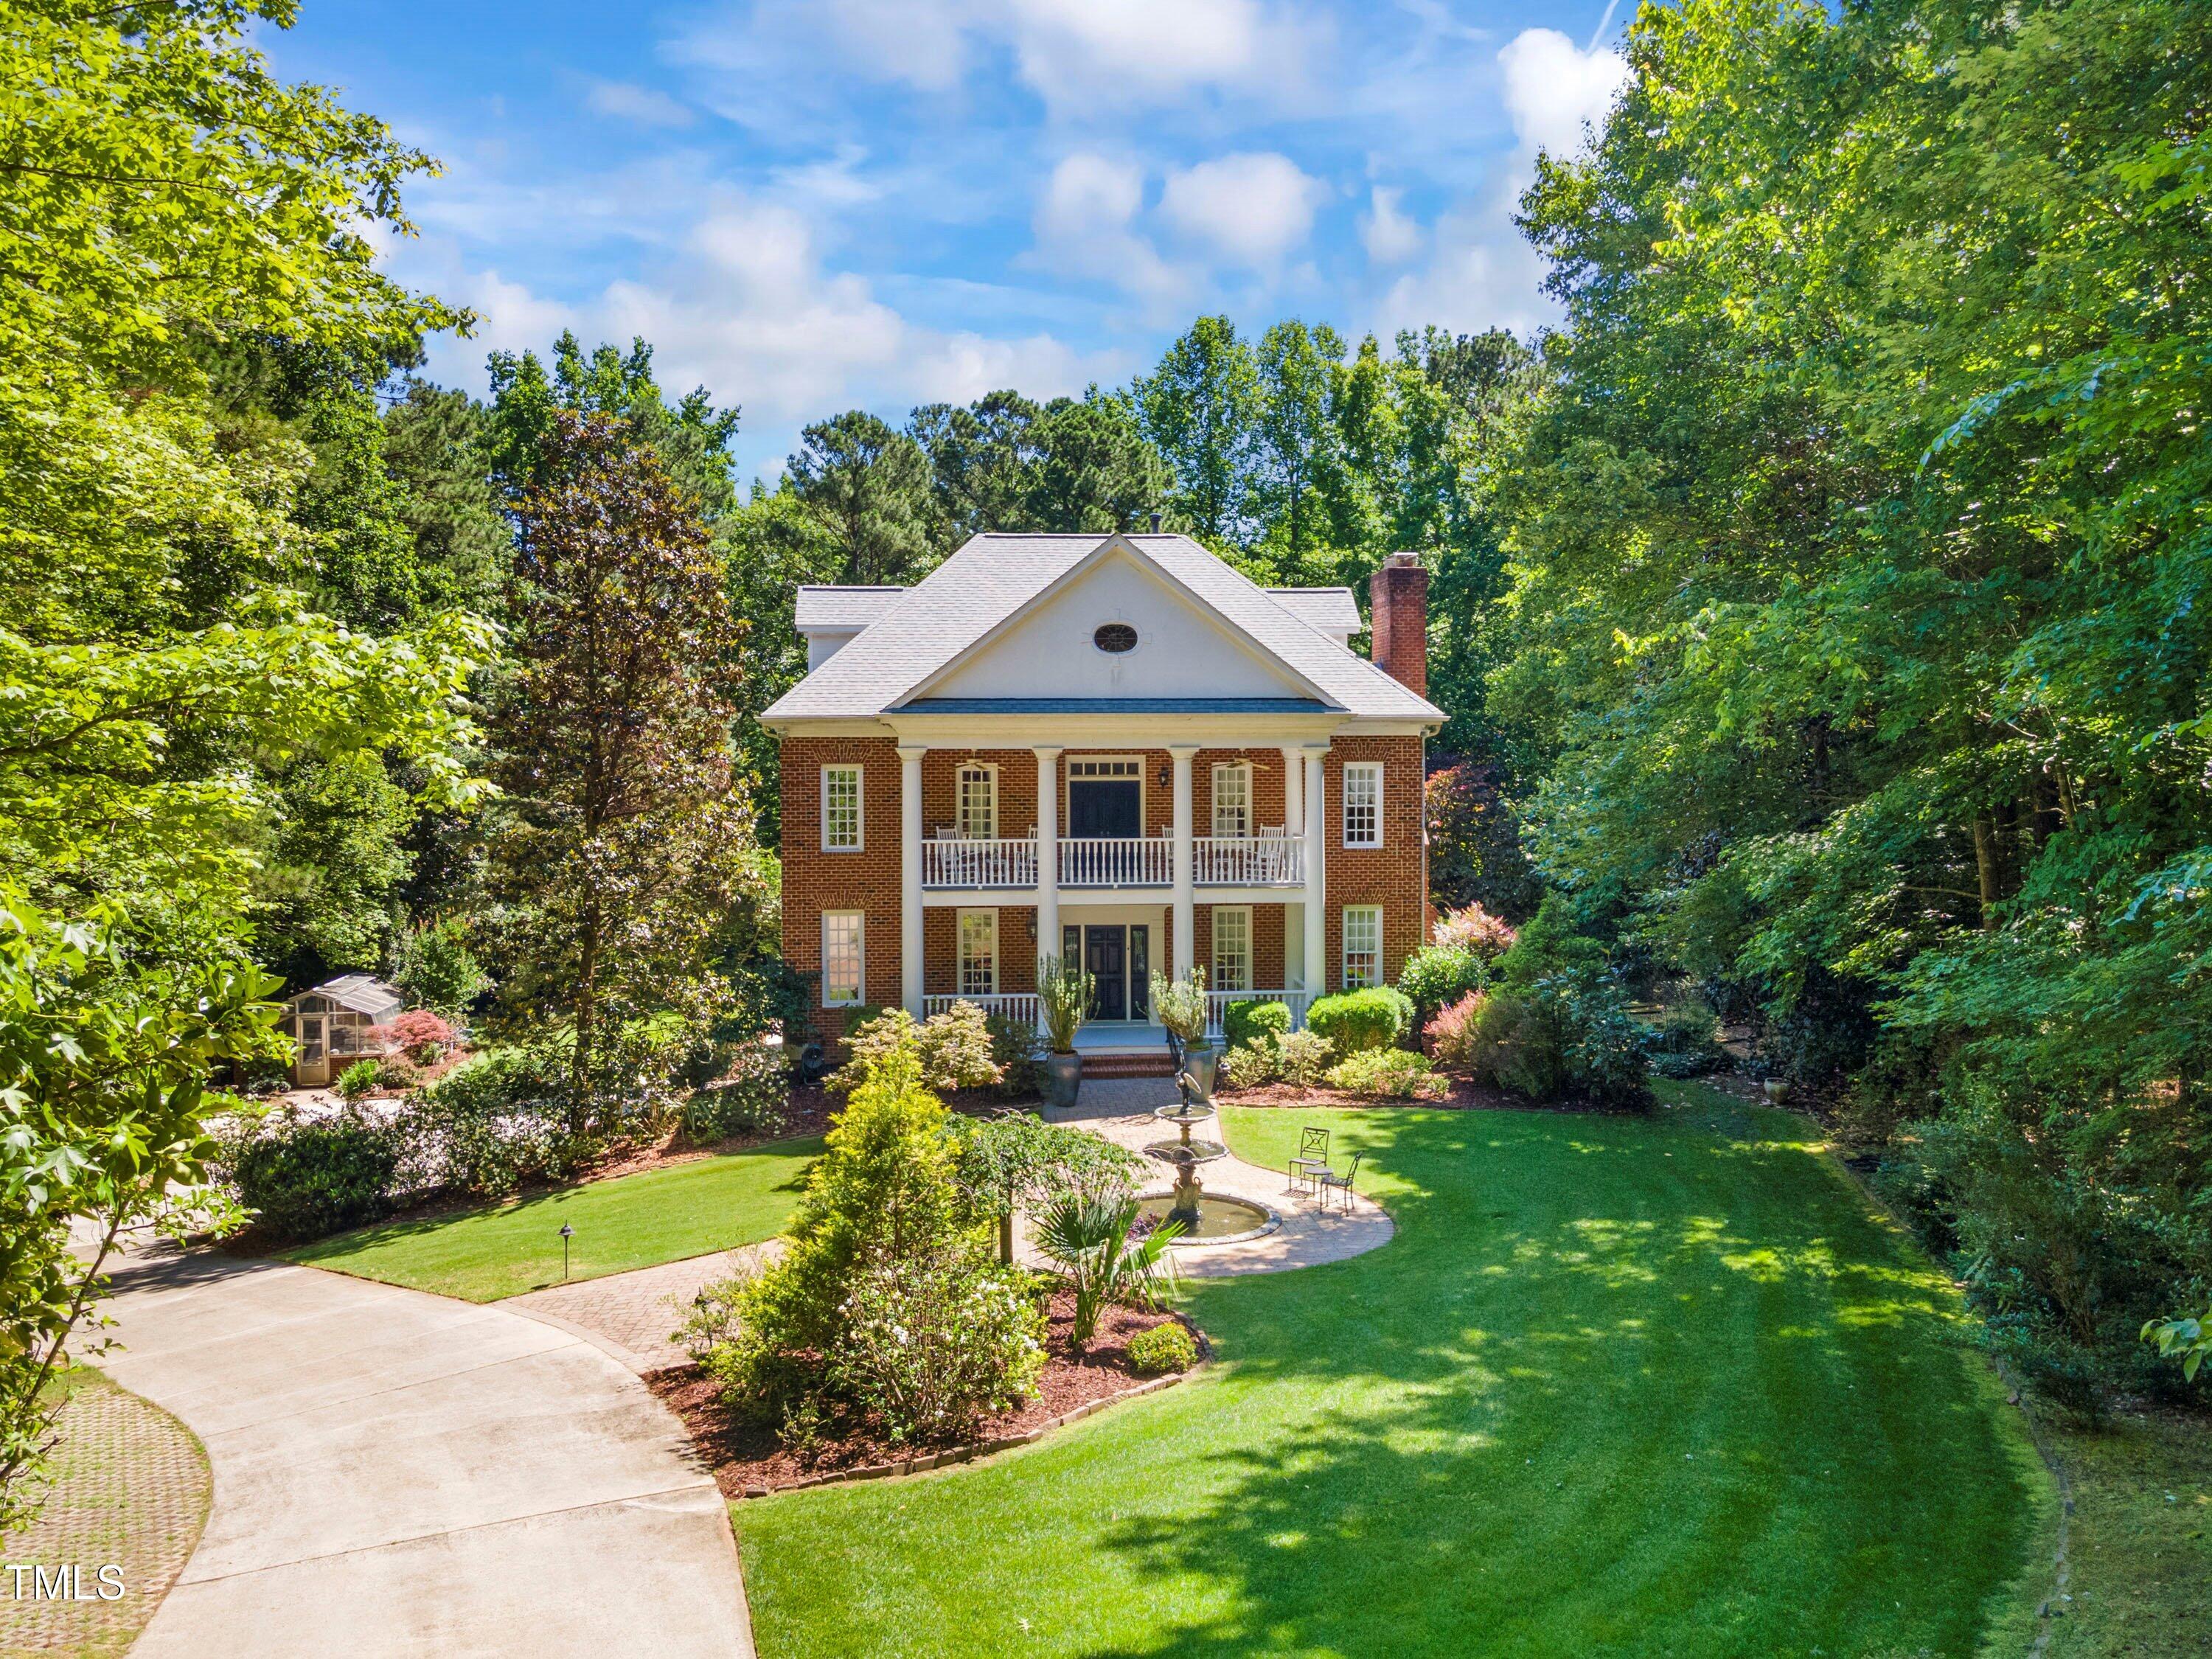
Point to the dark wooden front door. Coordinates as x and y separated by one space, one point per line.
1105 806
1105 958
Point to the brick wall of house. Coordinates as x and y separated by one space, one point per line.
1394 875
815 881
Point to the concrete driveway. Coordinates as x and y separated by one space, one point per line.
396 1474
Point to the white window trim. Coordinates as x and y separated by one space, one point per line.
861 978
990 770
1344 946
960 953
1365 768
1244 769
860 808
1213 968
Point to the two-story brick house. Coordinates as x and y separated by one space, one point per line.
1111 747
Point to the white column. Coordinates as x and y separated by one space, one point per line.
1294 794
910 976
1317 890
1185 909
1047 852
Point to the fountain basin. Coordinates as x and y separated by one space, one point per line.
1202 1151
1221 1220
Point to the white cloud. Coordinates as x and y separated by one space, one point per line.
1074 51
1391 237
1251 209
1084 226
645 106
1553 89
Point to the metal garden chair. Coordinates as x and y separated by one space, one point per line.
1333 1182
1312 1161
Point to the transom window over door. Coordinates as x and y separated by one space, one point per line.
979 802
1233 947
841 808
1232 799
1363 945
844 969
979 953
1363 804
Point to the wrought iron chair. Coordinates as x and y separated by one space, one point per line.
1312 1160
1333 1182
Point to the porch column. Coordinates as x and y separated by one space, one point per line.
1186 907
910 929
1316 887
1047 851
1294 794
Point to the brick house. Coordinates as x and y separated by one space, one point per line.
1212 775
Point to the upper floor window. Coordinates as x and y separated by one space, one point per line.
1232 799
1363 804
1233 947
841 808
979 953
844 951
978 802
1363 945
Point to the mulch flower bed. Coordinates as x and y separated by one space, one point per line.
748 1461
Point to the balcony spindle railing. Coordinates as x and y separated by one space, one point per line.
1216 1007
1249 860
1018 1004
1116 861
976 861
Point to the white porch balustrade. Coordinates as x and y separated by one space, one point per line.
1116 861
1019 1004
1216 1007
1250 861
960 861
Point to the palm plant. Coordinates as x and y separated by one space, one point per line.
1089 1238
1064 994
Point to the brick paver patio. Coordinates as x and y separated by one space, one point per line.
633 1316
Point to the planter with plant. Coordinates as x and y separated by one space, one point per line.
1064 999
1180 1005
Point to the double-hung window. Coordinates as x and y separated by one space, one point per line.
979 802
1232 799
1363 945
1363 804
844 953
1233 947
979 953
841 808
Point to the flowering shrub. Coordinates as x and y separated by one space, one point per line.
930 1346
1475 929
1169 1347
1437 975
1391 1073
1453 1035
422 1034
954 1048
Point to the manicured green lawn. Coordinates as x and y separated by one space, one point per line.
1618 1386
632 1221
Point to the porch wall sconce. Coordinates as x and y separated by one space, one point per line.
1166 777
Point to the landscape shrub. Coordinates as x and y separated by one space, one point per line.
422 1034
1301 1057
1475 929
749 1097
1021 1162
359 1080
1388 1073
498 1120
1453 1035
436 970
1436 975
316 1178
1255 1019
1375 1018
1164 1348
928 1344
1685 1042
954 1048
1019 1053
1561 1037
1095 1243
1251 1064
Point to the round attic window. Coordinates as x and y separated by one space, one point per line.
1115 637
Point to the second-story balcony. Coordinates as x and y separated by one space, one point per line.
978 863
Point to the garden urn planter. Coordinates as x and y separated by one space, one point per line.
1063 1075
1201 1060
1777 1090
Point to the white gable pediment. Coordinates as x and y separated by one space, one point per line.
1183 649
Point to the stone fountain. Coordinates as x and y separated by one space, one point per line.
1206 1217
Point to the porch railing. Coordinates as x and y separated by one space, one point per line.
1216 1007
1116 861
1015 1005
1005 862
1249 860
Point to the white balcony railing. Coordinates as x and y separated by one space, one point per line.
1116 861
1249 860
1216 1007
963 862
1021 1005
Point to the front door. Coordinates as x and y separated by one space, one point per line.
314 1065
1101 807
1105 958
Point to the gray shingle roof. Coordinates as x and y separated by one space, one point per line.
991 576
832 608
1331 610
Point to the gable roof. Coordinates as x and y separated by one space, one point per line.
991 577
362 992
1331 610
829 609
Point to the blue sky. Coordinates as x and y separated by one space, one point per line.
808 205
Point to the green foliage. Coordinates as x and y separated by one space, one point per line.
1164 1348
1017 1053
1376 1017
1438 975
437 971
1454 1036
1390 1073
1181 1005
1020 1162
1301 1057
316 1178
2187 1341
1064 991
749 1097
927 1346
954 1048
1198 408
496 1121
359 1079
1092 1239
1686 1042
1254 1021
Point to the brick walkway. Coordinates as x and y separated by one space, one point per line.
633 1316
130 1489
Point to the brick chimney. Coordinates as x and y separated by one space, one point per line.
1398 601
